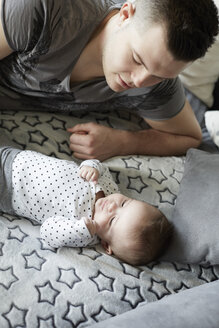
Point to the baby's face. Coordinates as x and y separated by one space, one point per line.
116 215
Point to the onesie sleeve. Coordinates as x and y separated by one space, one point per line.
105 180
58 231
95 163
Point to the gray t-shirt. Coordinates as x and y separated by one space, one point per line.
47 37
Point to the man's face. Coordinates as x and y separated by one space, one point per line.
117 216
134 60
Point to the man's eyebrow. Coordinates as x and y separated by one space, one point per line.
141 61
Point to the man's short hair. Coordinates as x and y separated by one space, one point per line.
191 25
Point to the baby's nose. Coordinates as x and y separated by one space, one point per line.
111 207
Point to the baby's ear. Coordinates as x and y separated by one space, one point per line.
107 247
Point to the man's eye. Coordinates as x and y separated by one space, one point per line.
136 61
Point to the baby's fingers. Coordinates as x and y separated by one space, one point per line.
95 176
83 172
90 175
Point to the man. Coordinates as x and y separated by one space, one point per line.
106 55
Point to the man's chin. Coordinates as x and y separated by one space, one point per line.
114 87
112 84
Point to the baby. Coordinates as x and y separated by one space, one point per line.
80 206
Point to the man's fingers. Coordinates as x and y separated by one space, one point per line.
78 139
82 156
80 132
75 128
83 128
96 143
77 148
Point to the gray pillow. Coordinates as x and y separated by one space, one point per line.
193 308
196 214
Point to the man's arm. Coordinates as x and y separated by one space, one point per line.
172 137
176 135
5 50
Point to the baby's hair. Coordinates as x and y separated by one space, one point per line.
149 243
153 240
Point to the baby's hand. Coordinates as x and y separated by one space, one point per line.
91 225
89 173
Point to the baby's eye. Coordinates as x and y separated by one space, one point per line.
111 221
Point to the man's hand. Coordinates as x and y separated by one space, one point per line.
89 173
171 137
5 50
92 140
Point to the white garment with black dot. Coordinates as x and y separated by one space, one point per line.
50 191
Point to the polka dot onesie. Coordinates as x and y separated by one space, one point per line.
51 192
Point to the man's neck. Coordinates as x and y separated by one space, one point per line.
89 64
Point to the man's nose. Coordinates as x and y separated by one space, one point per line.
142 78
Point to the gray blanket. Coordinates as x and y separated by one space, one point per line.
43 287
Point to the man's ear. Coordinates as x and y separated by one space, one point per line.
107 247
126 11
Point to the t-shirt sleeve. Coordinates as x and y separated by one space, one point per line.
23 22
165 100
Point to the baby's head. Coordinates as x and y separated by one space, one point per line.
134 231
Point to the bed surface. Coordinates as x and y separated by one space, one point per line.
44 287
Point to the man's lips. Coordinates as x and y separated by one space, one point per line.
123 83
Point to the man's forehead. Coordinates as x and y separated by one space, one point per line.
151 48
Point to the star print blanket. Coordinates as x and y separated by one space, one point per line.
43 287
